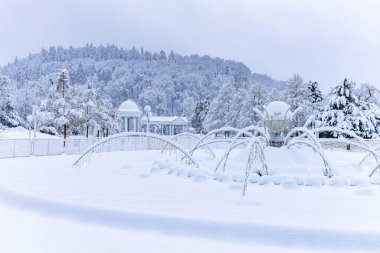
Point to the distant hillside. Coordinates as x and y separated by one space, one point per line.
169 82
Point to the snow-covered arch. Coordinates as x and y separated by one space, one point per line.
246 130
194 137
305 133
215 131
360 142
256 154
140 137
370 158
243 131
328 171
342 131
372 151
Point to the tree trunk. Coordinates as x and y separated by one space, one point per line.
64 134
87 128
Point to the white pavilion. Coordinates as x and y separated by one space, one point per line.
133 119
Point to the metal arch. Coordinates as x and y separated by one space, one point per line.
136 134
257 130
365 145
328 171
225 155
369 154
306 133
346 132
376 168
254 143
224 140
362 143
232 129
190 135
240 133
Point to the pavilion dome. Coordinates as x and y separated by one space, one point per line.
129 108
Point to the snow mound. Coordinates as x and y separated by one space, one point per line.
289 183
362 182
338 181
313 182
23 133
264 180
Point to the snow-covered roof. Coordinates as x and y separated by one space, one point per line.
278 110
129 108
168 120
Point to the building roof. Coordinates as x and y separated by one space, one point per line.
129 108
173 120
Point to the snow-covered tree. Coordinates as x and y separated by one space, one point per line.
344 110
221 107
315 95
60 109
369 97
369 93
8 115
296 94
200 114
122 73
89 101
98 112
256 96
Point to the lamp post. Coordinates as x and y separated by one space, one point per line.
29 118
35 119
147 114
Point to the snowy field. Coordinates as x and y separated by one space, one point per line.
143 201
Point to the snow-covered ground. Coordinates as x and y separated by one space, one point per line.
22 133
143 201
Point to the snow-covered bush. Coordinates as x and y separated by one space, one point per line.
344 110
8 115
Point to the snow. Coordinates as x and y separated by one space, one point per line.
277 110
143 201
168 119
22 133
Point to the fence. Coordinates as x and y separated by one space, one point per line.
330 143
46 147
43 147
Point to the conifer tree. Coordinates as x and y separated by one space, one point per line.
8 114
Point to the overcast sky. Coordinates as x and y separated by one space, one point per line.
324 41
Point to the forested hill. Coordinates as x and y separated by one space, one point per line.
169 82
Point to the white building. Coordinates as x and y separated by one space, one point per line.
131 117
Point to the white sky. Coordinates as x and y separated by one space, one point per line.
325 40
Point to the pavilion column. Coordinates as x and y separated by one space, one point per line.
135 125
126 124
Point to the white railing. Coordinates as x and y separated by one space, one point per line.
44 147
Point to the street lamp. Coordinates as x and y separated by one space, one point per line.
35 119
29 118
147 115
